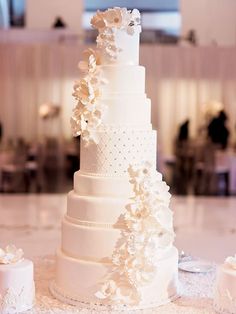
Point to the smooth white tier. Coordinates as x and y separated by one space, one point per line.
80 280
225 290
98 210
125 79
102 186
90 243
127 111
129 45
116 150
16 286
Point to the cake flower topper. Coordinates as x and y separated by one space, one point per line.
119 18
88 113
11 255
231 261
111 20
149 230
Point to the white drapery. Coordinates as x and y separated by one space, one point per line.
179 80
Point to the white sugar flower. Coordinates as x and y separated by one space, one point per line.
126 17
85 91
89 136
136 211
77 125
231 261
90 62
136 17
165 239
97 20
135 243
164 216
11 255
108 289
138 270
113 18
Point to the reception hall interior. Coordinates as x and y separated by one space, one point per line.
188 50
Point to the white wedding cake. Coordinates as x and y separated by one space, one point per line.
117 235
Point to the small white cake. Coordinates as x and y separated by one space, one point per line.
225 290
17 289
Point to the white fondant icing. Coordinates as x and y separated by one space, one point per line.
80 279
91 243
125 79
103 210
121 112
90 185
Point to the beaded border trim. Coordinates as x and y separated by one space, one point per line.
60 295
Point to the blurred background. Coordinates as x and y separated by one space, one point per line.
189 50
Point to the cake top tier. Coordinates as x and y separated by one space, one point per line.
118 38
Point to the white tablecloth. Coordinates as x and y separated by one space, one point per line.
196 292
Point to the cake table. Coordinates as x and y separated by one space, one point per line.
196 294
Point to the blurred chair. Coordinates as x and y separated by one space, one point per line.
211 170
13 168
34 167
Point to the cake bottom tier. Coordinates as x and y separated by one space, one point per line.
79 280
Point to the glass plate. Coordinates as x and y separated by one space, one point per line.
195 266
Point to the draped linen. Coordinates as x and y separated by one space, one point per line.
180 81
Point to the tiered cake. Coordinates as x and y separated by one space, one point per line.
117 234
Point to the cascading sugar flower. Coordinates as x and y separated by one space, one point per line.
88 114
149 232
11 255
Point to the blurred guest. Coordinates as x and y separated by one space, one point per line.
218 132
183 131
59 23
184 157
191 37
